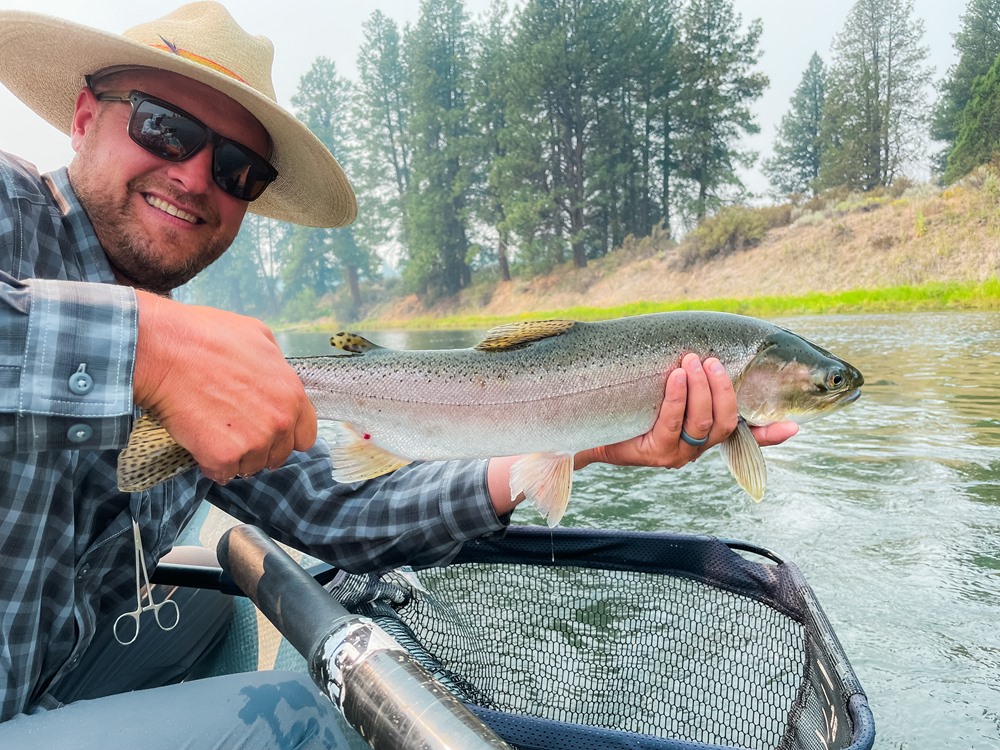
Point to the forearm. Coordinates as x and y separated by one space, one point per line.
419 515
66 366
498 478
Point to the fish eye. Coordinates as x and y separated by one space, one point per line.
837 380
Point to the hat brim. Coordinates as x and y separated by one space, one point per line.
43 61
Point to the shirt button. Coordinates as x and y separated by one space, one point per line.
80 382
80 433
83 571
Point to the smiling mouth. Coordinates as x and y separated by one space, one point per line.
171 209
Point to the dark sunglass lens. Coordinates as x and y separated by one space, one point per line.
240 172
163 132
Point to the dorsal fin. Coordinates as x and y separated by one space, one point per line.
513 335
352 342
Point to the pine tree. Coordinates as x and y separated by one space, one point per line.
555 170
322 258
798 151
442 149
381 113
977 44
719 83
651 34
638 81
489 114
308 271
245 279
876 107
978 138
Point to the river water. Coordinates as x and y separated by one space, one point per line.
890 507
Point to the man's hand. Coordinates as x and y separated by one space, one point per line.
699 398
220 385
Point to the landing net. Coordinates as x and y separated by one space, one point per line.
580 639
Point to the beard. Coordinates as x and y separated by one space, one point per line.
157 263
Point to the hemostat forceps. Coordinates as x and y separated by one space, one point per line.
173 615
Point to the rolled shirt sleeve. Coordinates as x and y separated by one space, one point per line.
419 515
66 366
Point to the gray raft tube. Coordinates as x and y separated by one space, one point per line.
391 700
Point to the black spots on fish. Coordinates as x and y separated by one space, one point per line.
483 382
516 335
150 456
351 342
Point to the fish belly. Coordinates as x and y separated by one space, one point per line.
505 425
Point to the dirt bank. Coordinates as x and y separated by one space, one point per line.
932 235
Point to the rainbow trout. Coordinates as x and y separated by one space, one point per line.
543 390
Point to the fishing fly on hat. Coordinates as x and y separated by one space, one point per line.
43 61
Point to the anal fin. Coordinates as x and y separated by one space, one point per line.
546 480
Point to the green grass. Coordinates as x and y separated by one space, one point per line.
927 297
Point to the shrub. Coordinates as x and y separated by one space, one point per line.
777 216
731 230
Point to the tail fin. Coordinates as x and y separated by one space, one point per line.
150 457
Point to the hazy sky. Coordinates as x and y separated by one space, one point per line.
303 30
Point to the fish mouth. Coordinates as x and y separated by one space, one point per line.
817 406
837 400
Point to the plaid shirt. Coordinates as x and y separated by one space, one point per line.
66 554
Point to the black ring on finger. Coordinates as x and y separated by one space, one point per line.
693 441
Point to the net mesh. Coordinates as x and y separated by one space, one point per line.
663 639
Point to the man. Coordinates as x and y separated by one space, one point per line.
152 126
89 255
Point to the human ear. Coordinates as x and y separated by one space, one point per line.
84 116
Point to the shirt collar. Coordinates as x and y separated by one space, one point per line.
90 255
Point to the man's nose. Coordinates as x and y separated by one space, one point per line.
195 172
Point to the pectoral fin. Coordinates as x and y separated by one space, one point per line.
356 458
150 457
745 461
546 480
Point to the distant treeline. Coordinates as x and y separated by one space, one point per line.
551 132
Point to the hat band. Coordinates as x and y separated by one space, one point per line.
168 46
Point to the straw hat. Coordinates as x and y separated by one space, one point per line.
43 61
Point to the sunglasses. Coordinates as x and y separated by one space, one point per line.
172 134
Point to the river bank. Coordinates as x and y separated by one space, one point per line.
925 249
930 297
